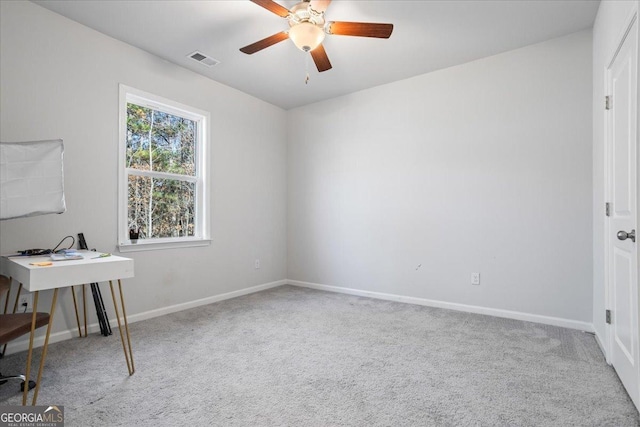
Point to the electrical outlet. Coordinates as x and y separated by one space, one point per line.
257 264
25 301
475 278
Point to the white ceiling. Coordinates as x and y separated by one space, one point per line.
427 36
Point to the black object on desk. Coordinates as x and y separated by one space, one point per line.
103 320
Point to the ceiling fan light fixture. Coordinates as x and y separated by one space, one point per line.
306 36
308 28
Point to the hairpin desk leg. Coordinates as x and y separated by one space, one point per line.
75 307
127 355
27 373
84 308
46 344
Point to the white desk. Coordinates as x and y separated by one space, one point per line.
67 273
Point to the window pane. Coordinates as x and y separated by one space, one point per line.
159 141
161 207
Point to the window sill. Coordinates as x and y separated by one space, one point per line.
162 244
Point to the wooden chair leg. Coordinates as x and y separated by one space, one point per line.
15 308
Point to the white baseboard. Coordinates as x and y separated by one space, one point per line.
600 342
547 320
23 344
204 301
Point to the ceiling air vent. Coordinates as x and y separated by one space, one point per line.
203 59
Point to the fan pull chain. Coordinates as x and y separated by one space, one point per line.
306 67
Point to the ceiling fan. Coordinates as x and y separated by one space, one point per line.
308 28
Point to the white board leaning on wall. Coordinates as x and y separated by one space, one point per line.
31 178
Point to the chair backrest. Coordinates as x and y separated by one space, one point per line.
5 285
15 325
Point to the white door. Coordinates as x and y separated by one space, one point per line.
622 250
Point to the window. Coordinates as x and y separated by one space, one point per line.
163 199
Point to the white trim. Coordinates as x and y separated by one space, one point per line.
508 314
606 342
156 102
122 161
203 301
22 345
161 175
600 342
158 244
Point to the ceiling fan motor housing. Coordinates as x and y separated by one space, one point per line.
303 12
307 26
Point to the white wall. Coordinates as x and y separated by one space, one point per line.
484 167
612 19
59 79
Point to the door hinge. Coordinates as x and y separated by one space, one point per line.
607 209
608 316
607 102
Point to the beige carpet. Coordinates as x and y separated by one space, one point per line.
298 357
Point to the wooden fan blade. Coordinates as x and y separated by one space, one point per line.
321 59
272 6
320 5
264 43
360 29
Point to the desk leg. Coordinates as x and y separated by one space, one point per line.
27 373
128 356
46 344
84 308
75 307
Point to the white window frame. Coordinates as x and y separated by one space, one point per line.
202 208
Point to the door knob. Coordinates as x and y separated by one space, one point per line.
623 235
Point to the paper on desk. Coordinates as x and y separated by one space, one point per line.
65 257
41 264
